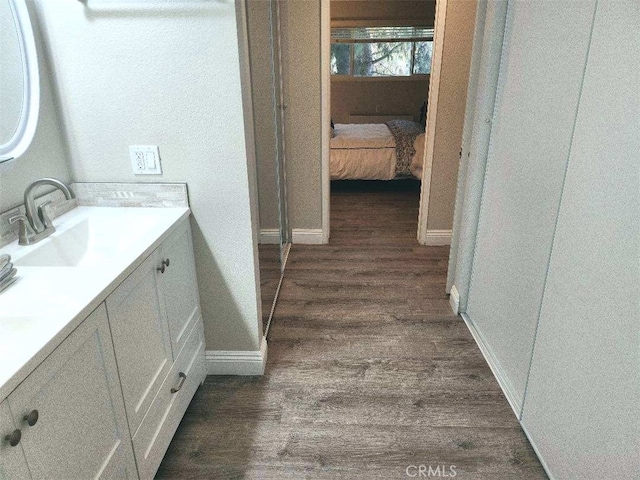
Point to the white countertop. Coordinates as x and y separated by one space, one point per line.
47 303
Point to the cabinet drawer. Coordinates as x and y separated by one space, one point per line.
161 421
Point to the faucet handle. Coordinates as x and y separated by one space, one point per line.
21 217
44 217
24 229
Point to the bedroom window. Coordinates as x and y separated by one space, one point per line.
381 51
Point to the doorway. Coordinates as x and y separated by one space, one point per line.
453 25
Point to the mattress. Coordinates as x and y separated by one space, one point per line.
363 152
368 152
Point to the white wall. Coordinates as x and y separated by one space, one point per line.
48 155
166 73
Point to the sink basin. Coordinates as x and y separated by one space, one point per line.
88 240
69 249
14 323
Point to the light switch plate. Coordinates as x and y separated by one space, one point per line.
145 159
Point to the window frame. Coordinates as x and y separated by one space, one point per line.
412 39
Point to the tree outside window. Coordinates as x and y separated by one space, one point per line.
352 55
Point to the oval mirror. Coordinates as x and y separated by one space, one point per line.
19 80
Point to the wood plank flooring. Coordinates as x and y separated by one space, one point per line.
368 370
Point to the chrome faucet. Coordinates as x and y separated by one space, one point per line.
36 225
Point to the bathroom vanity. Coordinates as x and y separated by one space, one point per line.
101 345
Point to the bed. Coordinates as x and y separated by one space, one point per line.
377 151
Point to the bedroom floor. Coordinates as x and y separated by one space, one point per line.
368 371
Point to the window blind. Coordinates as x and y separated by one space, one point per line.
380 34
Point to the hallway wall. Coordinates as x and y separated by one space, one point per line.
259 31
454 79
303 127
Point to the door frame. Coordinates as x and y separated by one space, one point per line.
325 103
325 106
432 112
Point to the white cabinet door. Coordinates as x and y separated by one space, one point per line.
178 285
140 338
13 465
81 428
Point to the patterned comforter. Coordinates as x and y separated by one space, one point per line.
405 133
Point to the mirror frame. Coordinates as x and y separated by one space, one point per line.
22 138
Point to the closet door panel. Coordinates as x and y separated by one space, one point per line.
582 406
540 76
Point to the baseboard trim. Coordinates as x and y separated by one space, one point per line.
438 237
495 367
226 362
537 451
315 236
308 236
454 300
269 236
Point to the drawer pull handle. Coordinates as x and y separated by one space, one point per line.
183 377
165 264
32 418
14 438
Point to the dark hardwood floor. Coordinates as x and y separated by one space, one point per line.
368 373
